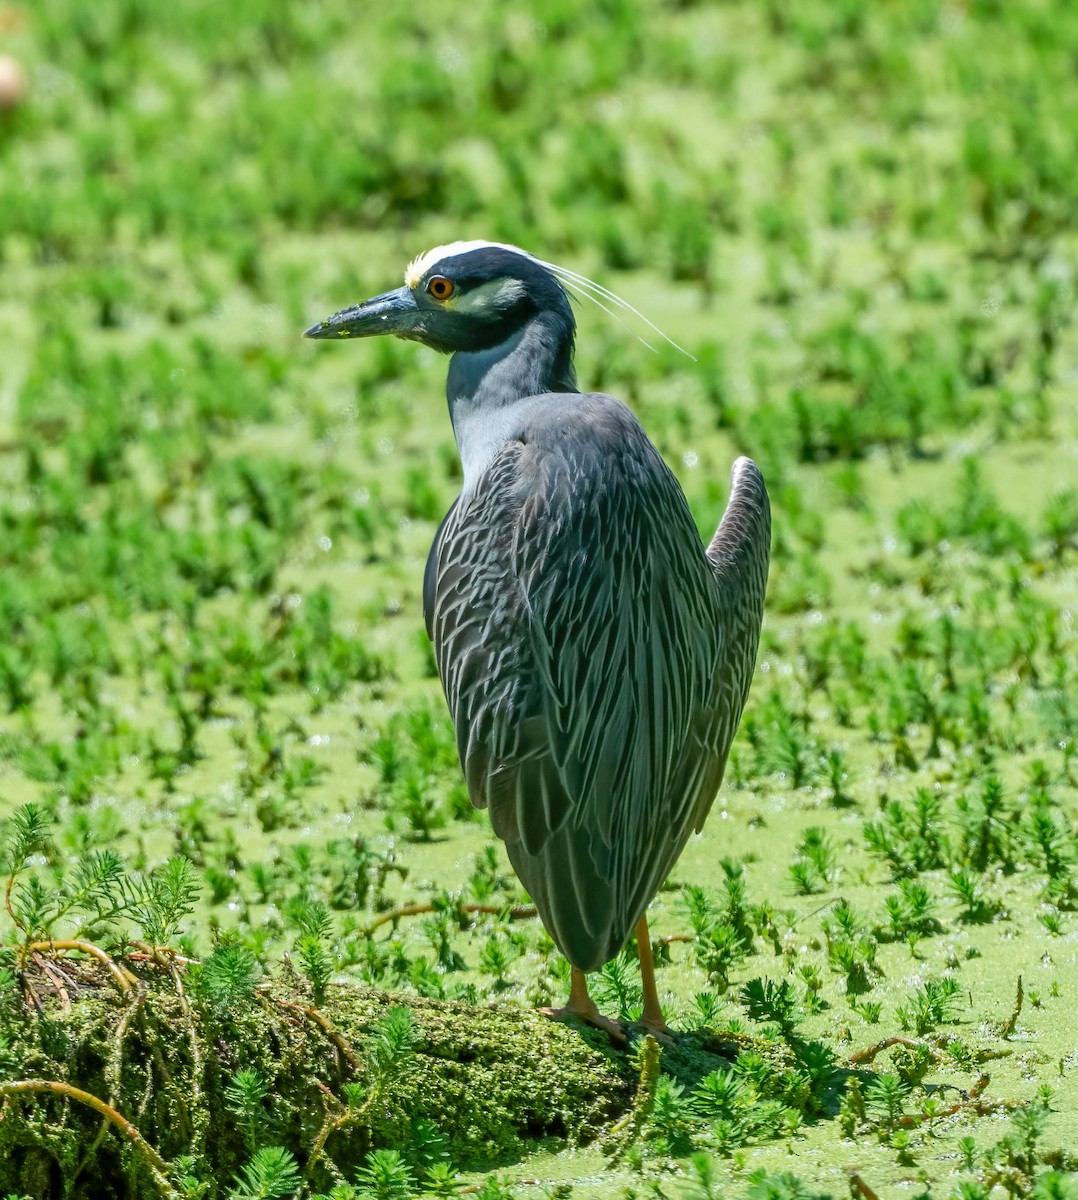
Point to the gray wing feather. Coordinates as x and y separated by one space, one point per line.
594 660
430 572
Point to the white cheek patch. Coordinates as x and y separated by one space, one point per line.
489 297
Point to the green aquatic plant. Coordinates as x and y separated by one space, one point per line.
272 1174
1060 522
934 1003
246 1097
885 1097
967 887
385 1176
816 863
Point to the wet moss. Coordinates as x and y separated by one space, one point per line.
493 1079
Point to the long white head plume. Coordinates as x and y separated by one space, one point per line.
578 285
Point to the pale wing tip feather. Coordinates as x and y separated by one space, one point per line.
741 464
745 473
747 517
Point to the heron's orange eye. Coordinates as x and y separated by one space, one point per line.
440 287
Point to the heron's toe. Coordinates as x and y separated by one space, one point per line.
590 1016
659 1030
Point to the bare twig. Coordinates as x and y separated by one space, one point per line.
972 1102
158 1167
56 969
59 982
518 912
858 1187
1012 1020
161 956
675 937
870 1052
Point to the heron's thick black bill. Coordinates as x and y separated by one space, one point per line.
395 312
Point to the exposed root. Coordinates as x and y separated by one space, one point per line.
973 1102
115 1063
323 1022
112 1074
336 1117
199 1120
123 978
870 1052
157 1165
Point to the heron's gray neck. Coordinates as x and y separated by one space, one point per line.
537 358
484 386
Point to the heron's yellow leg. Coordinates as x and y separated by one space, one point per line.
652 1020
583 1007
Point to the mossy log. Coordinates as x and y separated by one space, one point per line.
491 1079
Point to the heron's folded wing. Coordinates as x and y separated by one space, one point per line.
576 636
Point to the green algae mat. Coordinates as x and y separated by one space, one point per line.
254 941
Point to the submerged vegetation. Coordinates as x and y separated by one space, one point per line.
254 940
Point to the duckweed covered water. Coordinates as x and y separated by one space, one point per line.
860 220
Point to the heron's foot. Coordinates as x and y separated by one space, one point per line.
658 1029
660 1033
588 1013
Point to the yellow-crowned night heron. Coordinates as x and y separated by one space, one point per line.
595 656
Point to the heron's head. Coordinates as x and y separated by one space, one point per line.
466 297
